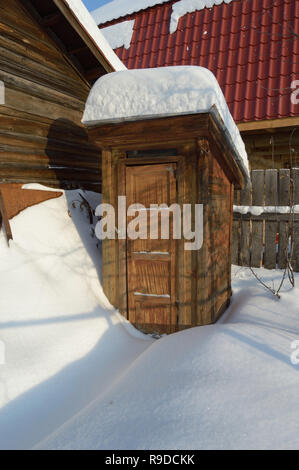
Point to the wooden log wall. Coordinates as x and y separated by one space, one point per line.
264 240
276 149
41 135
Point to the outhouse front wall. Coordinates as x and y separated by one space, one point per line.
203 285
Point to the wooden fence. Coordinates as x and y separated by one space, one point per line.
262 235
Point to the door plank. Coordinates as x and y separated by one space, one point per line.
151 263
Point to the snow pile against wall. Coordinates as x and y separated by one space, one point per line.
119 34
76 375
64 343
165 91
88 23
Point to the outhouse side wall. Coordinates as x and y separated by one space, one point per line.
214 258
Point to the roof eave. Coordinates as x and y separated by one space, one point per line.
129 132
83 33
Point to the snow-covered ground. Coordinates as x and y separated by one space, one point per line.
78 376
64 343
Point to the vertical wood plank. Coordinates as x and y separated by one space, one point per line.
244 243
203 298
109 255
236 197
295 177
283 244
245 200
235 242
258 181
122 247
283 200
284 187
229 265
295 257
236 232
188 309
295 234
271 227
256 244
245 196
182 318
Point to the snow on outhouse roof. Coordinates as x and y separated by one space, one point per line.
167 91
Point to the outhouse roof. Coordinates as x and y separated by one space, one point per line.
151 93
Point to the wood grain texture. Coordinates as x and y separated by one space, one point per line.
41 135
195 288
269 232
271 227
172 131
257 227
151 274
109 247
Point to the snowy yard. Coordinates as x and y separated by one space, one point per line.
78 376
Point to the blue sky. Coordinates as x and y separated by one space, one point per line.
93 4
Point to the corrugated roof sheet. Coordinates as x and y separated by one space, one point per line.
252 46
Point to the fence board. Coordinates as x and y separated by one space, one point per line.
283 244
257 244
295 176
295 257
235 242
245 196
270 245
236 197
244 243
258 181
262 240
245 200
284 187
271 227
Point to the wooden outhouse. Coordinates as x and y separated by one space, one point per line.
157 284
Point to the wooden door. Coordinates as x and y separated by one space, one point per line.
151 262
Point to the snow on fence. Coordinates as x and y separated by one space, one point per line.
266 220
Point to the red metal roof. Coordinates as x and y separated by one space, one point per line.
252 46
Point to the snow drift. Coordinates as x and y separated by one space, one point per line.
64 342
78 376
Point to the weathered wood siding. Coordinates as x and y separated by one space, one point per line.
213 277
277 149
41 135
206 173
